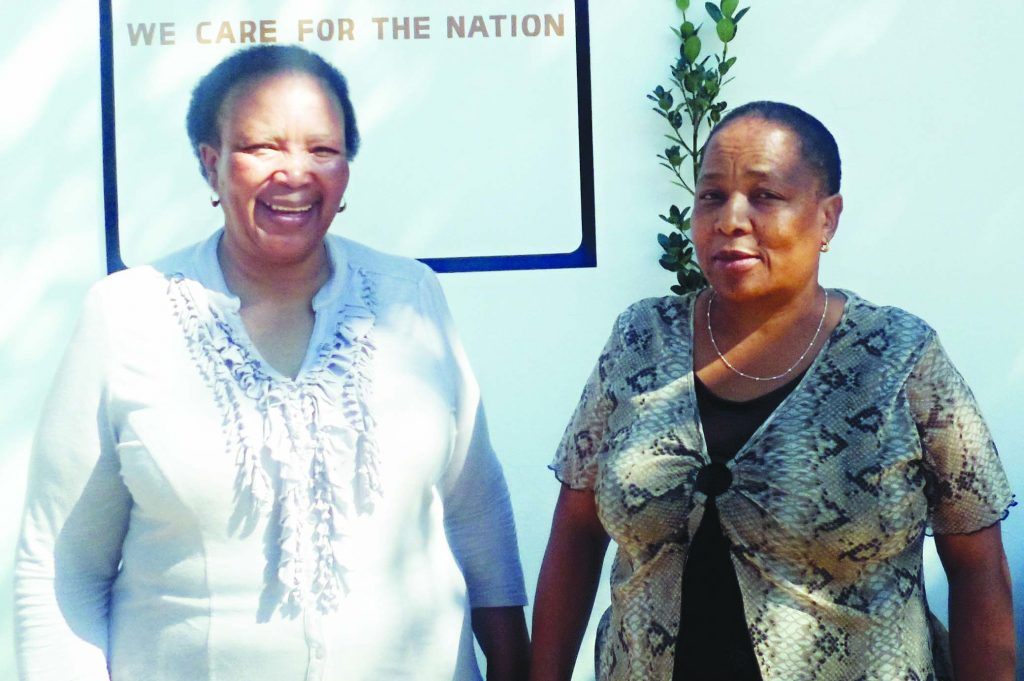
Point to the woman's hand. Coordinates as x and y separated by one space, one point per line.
980 605
567 584
502 635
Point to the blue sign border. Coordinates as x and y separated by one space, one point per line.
585 254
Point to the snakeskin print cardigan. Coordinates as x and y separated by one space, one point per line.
828 506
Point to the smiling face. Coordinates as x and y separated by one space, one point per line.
760 214
280 168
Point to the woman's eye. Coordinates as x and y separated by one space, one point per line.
326 152
709 195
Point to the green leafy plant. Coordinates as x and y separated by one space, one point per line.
699 83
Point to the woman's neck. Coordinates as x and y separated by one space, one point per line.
769 316
257 281
772 341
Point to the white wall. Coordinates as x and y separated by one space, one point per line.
924 100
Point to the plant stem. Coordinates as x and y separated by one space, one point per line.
695 157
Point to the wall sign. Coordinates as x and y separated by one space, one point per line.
474 115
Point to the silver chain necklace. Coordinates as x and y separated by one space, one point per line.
711 335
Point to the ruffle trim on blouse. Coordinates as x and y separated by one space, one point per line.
317 432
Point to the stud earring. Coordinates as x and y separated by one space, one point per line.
342 207
825 247
214 200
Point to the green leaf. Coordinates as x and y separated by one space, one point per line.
662 239
736 19
688 29
668 263
683 5
691 48
729 7
713 11
726 29
673 156
724 67
690 279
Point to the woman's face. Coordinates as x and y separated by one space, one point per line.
281 167
760 214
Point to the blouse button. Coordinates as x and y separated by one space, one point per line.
714 478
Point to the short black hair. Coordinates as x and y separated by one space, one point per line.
251 63
817 145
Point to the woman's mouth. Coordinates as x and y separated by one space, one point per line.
286 209
735 260
279 215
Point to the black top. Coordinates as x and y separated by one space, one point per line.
713 642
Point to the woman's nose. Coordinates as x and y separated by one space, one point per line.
734 217
293 169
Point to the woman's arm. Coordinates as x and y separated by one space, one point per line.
478 515
502 635
968 494
567 584
980 605
76 516
481 533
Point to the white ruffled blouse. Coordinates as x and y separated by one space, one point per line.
193 514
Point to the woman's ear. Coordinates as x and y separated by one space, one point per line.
832 207
209 156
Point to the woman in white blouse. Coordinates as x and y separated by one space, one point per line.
264 456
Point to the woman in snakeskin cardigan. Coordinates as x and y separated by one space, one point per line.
768 455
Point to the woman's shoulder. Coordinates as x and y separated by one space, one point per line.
123 308
873 318
670 312
377 263
132 296
131 288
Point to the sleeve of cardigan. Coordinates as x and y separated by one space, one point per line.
575 462
966 486
477 508
75 518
